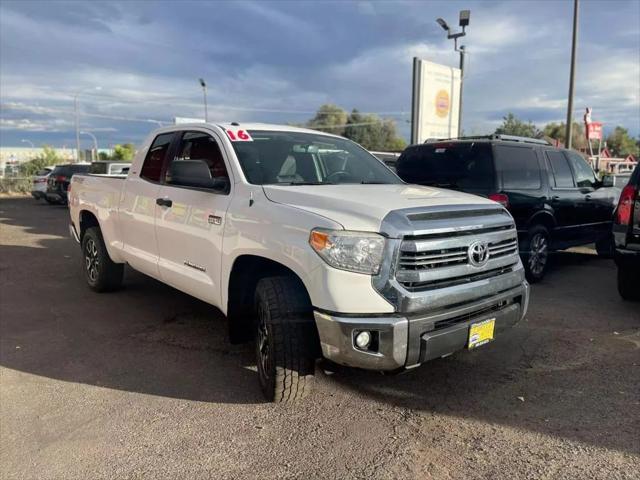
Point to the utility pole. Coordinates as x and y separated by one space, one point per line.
77 118
203 84
464 22
569 126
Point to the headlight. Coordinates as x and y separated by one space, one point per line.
359 252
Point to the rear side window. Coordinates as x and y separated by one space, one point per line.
585 178
152 166
79 168
98 168
467 165
562 176
518 167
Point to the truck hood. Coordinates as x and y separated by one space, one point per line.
362 207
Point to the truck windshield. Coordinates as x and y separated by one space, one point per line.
295 158
457 165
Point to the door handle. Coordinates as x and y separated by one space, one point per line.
555 198
587 197
164 202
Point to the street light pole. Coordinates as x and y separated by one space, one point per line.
203 84
95 142
569 126
464 22
24 140
77 118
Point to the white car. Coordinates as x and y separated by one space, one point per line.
39 188
309 244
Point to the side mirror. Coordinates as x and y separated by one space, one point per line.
196 173
220 184
607 181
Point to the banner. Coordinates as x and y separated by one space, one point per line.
436 98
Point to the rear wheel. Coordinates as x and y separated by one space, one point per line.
285 339
604 247
49 201
101 273
628 283
535 254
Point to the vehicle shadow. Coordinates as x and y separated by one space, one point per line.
147 337
561 372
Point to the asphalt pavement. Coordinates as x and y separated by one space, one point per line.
142 383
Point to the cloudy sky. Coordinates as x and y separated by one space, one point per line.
278 61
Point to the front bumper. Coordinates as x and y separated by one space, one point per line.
405 341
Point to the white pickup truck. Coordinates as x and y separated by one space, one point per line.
309 245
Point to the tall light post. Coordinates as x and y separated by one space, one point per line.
572 74
463 22
203 84
24 140
95 142
77 115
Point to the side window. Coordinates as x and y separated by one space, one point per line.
152 166
585 178
562 177
518 167
198 162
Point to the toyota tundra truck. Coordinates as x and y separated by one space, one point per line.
308 244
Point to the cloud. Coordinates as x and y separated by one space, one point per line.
278 61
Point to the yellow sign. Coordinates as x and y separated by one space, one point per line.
442 103
481 333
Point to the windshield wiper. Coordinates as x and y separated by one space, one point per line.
374 182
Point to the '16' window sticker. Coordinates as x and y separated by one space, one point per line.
239 136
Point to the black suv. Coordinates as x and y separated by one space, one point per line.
553 194
626 233
58 181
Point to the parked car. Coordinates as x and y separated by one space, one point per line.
553 194
308 244
106 167
626 233
39 188
59 180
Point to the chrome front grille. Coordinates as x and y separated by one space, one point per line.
439 257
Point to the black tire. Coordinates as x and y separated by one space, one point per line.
285 339
535 253
604 247
49 201
101 273
628 283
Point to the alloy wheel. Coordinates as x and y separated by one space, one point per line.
92 262
538 254
265 357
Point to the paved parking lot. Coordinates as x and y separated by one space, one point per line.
143 383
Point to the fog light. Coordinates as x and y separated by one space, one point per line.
363 340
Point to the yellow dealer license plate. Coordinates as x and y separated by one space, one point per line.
481 332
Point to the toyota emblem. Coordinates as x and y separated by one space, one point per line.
478 254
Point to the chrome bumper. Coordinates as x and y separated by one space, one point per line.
405 341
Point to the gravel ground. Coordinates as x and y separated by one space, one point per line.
143 383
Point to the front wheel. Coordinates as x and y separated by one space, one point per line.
101 273
285 339
535 255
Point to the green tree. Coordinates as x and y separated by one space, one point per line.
47 158
512 125
329 118
557 131
124 152
373 133
621 144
